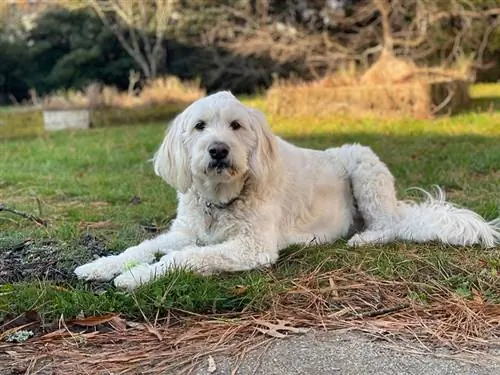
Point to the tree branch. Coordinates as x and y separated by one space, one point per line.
26 215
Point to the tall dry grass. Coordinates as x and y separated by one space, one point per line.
161 91
391 86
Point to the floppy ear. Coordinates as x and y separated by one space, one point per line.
171 161
263 158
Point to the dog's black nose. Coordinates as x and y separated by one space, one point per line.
218 150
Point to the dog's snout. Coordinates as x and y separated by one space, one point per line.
218 150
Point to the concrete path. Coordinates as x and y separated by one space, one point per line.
318 353
350 354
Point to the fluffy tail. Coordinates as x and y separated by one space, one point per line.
435 219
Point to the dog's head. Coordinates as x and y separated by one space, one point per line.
216 139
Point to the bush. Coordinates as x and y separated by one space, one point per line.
15 73
71 49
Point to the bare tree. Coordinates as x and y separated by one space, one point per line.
449 25
425 30
141 27
310 39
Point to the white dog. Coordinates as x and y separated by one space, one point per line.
244 194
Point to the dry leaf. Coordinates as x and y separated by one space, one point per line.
92 321
274 329
211 365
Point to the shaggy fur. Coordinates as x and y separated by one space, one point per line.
244 194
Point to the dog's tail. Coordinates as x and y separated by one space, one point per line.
435 219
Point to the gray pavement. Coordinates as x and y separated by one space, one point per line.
319 353
351 354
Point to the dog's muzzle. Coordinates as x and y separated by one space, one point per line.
219 152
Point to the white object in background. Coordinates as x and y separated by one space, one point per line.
66 119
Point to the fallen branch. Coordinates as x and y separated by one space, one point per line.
25 215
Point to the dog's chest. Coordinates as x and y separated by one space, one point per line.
217 225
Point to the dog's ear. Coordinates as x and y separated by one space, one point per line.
171 161
263 157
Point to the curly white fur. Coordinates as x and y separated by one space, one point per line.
236 211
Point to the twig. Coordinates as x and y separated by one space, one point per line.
386 310
26 215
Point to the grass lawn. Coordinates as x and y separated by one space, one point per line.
99 195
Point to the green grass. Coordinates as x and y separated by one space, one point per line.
83 182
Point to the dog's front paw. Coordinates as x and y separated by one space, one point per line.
135 276
102 269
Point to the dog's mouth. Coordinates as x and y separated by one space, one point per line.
221 166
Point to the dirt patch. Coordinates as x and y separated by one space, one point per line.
27 260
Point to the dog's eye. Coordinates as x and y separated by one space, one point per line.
200 125
235 125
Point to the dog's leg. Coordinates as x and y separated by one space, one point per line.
373 189
238 254
387 219
108 267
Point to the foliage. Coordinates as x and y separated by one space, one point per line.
15 73
71 49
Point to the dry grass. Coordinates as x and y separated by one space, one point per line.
161 91
390 86
330 300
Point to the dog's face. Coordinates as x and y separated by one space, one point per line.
218 139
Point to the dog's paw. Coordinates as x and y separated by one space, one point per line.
356 241
133 277
370 237
102 269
